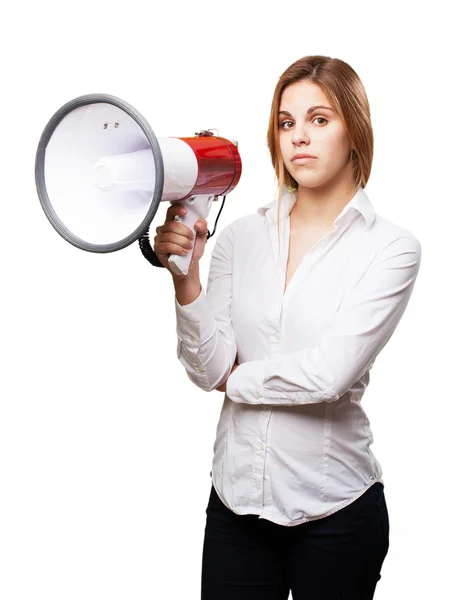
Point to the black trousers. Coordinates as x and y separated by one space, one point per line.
339 556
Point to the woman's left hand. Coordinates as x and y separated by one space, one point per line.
222 387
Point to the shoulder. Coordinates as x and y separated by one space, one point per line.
386 234
251 221
245 225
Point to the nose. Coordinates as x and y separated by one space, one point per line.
299 136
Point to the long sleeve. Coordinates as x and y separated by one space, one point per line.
206 344
365 321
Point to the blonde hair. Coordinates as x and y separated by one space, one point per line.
345 91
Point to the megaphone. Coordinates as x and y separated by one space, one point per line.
101 173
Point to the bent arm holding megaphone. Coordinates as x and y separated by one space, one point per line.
175 238
101 174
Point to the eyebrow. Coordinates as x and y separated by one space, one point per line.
311 109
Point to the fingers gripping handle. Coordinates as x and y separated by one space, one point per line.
198 207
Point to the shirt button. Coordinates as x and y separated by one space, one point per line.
237 394
262 446
256 395
192 338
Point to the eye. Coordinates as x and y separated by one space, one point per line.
322 118
281 125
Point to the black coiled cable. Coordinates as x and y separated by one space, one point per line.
150 254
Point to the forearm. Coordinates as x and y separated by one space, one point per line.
206 342
365 321
207 353
206 346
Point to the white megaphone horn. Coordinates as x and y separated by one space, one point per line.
101 174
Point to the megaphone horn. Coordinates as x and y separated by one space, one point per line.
101 173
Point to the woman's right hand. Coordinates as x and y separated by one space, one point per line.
173 237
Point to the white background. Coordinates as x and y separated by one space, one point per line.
105 444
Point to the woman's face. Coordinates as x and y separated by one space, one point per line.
320 133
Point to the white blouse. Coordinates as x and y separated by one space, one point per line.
293 441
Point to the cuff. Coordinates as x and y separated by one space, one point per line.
195 323
246 383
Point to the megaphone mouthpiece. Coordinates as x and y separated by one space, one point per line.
130 172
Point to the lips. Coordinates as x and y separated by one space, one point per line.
302 156
303 160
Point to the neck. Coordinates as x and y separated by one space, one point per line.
320 206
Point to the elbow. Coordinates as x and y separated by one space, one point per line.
200 381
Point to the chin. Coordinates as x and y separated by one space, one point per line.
311 182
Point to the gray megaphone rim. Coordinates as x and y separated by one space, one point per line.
40 173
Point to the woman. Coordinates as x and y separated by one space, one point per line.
301 298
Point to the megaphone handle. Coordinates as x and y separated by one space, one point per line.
198 207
